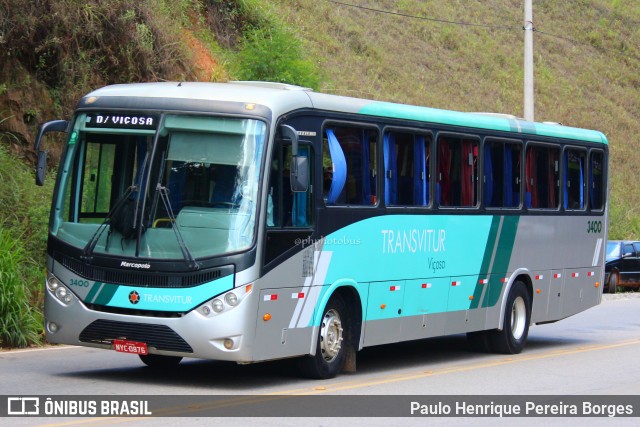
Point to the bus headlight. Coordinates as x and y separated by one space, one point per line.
53 283
60 291
225 302
231 299
217 305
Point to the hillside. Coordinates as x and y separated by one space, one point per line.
456 54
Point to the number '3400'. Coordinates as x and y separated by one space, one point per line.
79 283
594 226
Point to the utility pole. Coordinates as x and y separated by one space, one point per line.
528 60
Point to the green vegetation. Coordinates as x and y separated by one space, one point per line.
24 211
587 56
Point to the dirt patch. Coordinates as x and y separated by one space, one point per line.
205 66
23 107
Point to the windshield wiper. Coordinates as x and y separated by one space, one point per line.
87 251
186 253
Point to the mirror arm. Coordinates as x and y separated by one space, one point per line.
289 132
53 126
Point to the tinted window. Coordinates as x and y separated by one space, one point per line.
542 177
406 165
501 178
574 179
596 179
349 165
457 171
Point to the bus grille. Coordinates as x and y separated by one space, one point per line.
144 278
159 336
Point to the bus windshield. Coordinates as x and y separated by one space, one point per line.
151 186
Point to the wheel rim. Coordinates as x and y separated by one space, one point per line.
518 318
331 335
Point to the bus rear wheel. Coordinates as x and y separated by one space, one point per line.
331 347
157 361
515 328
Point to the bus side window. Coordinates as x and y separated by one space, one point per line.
406 166
501 180
573 181
349 165
457 171
542 177
596 177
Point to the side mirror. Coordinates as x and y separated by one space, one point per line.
41 165
299 174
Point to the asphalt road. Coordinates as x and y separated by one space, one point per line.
592 353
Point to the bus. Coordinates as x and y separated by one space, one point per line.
254 221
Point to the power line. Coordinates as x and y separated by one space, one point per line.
426 18
496 27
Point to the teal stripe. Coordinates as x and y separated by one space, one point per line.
104 297
456 118
486 261
502 259
93 292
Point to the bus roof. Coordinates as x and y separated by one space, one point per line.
282 98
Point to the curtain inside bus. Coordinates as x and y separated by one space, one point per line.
390 168
339 166
421 173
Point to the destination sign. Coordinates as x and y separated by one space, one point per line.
121 121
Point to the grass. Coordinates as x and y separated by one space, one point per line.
20 324
24 213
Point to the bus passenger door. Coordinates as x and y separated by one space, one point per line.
289 214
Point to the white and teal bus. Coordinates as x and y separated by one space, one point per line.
255 221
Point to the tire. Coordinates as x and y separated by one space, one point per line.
157 361
331 348
515 328
613 282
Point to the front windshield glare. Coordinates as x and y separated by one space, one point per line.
190 187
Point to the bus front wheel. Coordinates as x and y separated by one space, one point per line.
515 328
331 346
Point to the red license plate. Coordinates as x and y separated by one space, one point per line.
134 347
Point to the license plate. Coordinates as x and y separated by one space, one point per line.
134 347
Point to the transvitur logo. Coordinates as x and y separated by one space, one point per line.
134 297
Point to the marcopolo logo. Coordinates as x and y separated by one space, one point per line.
128 264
